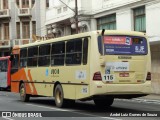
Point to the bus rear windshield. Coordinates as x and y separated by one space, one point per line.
122 45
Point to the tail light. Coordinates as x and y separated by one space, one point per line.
97 76
148 76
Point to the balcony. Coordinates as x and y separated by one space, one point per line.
4 13
21 41
5 43
24 12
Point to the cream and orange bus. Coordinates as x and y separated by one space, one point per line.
99 65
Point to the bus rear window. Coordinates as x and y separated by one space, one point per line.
123 45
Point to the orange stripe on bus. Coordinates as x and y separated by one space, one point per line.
34 92
21 75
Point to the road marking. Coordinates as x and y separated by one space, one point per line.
7 118
46 107
140 100
148 100
111 118
74 112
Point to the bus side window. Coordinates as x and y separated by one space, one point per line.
58 54
32 56
85 51
74 52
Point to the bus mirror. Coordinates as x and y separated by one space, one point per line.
11 57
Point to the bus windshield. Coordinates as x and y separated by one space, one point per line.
123 45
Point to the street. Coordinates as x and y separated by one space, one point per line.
45 107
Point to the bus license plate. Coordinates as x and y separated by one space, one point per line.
123 74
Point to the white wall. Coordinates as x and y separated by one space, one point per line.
124 19
102 5
42 18
86 6
53 17
51 14
153 21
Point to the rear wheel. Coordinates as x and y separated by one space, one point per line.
102 103
59 98
23 95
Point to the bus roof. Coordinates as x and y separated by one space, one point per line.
98 32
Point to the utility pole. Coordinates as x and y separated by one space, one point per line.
76 16
76 13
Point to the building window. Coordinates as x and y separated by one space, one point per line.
59 10
17 1
25 3
34 27
139 19
108 22
5 4
33 2
26 30
64 9
18 30
47 3
6 31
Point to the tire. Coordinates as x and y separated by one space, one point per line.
23 96
59 97
102 103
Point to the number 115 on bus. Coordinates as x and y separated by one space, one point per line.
108 78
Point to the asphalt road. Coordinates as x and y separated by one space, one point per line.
44 109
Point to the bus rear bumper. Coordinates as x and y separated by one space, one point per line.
122 89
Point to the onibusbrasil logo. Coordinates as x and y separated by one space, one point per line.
20 114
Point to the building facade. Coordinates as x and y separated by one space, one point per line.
135 15
19 20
